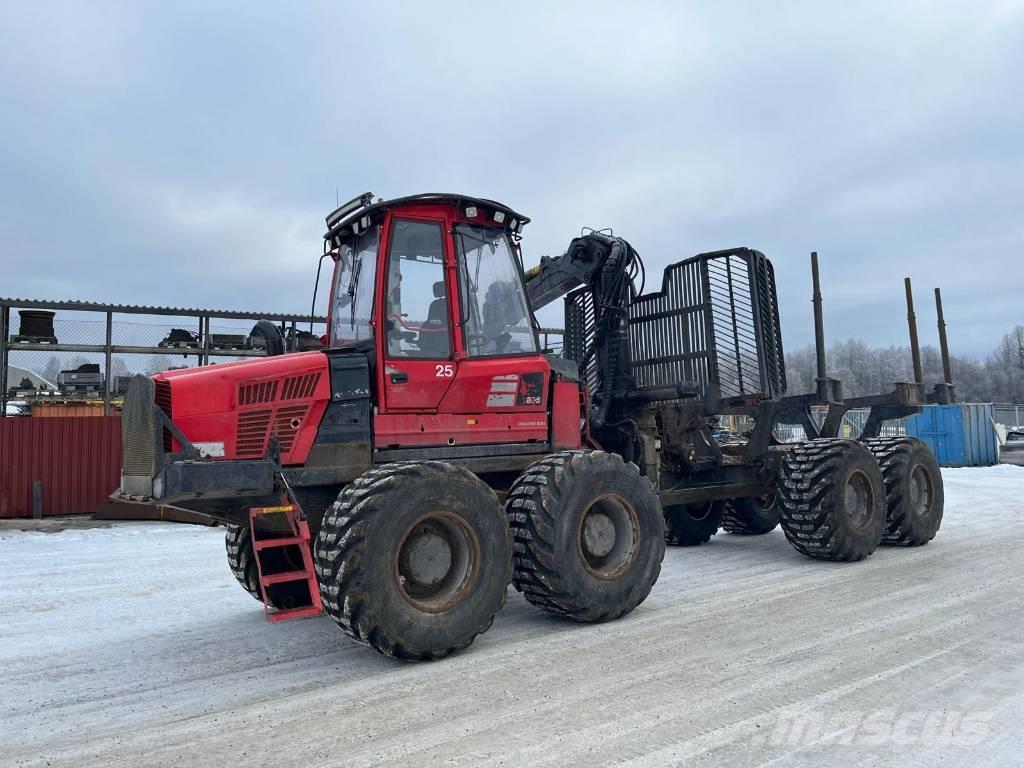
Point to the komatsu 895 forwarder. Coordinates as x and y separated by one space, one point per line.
432 451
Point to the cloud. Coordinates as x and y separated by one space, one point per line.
187 154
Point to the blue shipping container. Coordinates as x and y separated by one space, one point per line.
959 435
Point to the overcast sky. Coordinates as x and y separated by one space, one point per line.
186 153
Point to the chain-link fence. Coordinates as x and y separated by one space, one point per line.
77 352
1009 414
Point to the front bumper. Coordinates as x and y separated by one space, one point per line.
150 473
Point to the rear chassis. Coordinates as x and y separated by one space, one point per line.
709 344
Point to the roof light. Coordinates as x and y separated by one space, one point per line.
499 216
365 222
351 206
512 224
470 211
355 227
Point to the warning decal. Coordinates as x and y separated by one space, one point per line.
503 390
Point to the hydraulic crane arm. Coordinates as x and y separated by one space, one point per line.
555 277
606 266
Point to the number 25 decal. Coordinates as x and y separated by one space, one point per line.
445 371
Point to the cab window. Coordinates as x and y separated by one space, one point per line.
354 275
495 315
416 311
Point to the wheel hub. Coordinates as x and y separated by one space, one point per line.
598 534
858 500
428 557
609 537
437 562
920 491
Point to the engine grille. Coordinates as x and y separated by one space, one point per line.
251 438
286 425
256 427
714 322
276 415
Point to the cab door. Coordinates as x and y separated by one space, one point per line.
503 381
418 363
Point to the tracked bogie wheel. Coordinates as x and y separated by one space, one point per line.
588 535
832 499
414 558
690 525
913 490
242 562
751 516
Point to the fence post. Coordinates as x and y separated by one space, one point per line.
37 500
204 356
106 375
5 331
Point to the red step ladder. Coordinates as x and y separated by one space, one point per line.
299 537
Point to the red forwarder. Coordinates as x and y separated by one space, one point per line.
433 399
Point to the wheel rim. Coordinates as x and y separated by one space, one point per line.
764 503
920 491
608 538
438 562
859 501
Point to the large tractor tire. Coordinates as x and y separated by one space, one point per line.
271 336
832 499
753 516
414 559
588 535
242 562
913 490
690 525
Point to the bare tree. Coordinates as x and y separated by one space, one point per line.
865 371
1006 367
52 369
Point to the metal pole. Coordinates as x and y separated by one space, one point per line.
943 344
819 322
5 323
915 349
199 354
204 329
110 340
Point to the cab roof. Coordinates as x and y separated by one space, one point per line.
347 219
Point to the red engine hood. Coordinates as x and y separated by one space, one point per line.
234 409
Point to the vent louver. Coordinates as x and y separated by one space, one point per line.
257 392
298 387
251 439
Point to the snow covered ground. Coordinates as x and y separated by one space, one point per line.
133 645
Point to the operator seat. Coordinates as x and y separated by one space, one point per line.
433 337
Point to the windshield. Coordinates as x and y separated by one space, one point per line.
495 315
353 289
